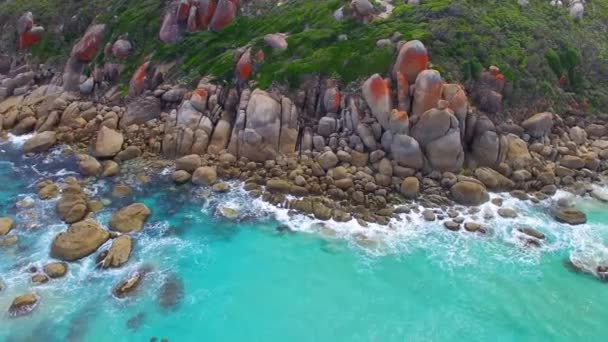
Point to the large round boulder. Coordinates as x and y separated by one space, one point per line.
469 193
205 175
130 218
80 240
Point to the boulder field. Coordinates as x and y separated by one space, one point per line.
407 134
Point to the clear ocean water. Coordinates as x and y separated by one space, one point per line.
212 279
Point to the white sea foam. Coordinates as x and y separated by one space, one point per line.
18 140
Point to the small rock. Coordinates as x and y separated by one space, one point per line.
221 187
56 269
507 213
571 216
451 225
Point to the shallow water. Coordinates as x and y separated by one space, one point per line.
215 280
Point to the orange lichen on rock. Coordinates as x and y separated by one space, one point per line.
87 47
412 60
429 85
244 67
224 15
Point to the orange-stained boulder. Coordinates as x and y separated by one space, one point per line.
403 92
29 34
31 37
224 15
183 10
457 100
332 98
87 47
194 24
429 86
377 94
412 60
205 10
244 66
138 80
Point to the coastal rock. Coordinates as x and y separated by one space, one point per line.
56 269
121 48
171 292
188 163
141 110
131 152
410 187
6 225
377 94
428 88
110 168
413 58
469 193
108 143
119 253
204 176
181 176
88 166
438 133
130 218
23 304
40 142
38 279
570 216
227 212
507 213
127 286
80 240
72 206
328 160
259 141
225 13
532 232
406 151
572 162
87 47
493 180
539 125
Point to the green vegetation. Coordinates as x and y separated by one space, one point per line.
534 47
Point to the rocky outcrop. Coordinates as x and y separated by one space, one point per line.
429 86
80 240
130 218
377 94
260 138
438 133
29 33
140 111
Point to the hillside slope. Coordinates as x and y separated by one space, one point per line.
550 60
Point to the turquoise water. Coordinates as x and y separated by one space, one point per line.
246 281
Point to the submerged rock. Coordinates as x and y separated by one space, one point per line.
171 292
127 286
